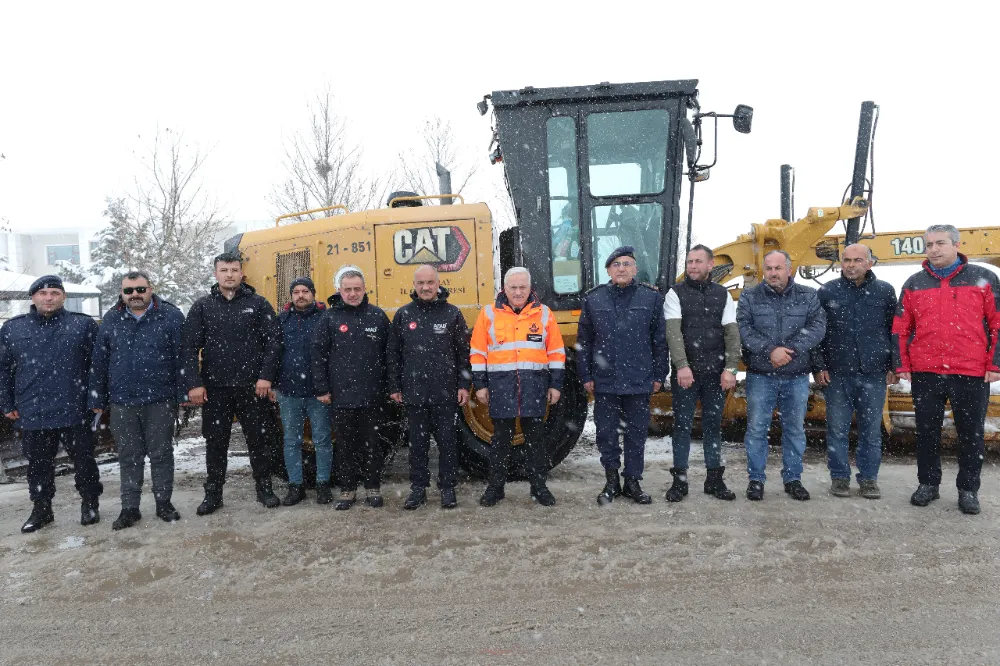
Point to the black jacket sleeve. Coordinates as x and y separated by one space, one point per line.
321 356
272 344
585 344
460 339
8 368
98 383
394 355
192 342
661 352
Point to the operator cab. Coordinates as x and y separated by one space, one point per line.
589 169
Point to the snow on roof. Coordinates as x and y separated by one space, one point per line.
14 287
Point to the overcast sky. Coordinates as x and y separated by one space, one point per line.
80 83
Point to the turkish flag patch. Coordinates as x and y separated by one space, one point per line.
413 325
343 328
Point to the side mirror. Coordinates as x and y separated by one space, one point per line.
742 118
483 106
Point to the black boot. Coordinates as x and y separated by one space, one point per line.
492 495
924 495
90 513
797 490
715 486
541 494
324 495
211 503
755 491
166 512
417 498
41 515
612 488
679 489
449 500
127 518
296 493
968 502
633 491
265 493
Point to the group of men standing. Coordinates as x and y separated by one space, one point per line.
234 356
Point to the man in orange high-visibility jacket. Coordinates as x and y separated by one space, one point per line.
518 361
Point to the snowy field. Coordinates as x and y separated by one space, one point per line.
829 581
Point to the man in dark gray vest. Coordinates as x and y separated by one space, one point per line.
704 345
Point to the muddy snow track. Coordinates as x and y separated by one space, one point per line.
823 582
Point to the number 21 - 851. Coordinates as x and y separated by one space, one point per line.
360 246
908 245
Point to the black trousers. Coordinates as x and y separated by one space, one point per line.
969 397
41 447
224 404
439 420
503 439
357 449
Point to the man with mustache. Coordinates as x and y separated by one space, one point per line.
137 370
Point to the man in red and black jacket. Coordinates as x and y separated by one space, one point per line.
945 342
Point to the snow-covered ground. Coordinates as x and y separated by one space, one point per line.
829 581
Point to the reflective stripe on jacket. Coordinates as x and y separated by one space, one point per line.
517 356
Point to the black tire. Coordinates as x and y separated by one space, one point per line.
562 431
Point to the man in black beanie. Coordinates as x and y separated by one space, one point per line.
45 360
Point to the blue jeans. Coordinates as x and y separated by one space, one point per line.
848 394
791 396
713 399
293 418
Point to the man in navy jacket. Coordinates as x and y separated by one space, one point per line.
623 359
137 370
780 323
854 365
297 397
44 363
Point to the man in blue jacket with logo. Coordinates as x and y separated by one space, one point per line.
296 396
854 365
623 360
137 369
45 359
780 323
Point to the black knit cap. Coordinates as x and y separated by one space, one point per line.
623 251
46 282
304 282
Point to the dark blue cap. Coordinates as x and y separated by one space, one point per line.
46 282
302 281
623 251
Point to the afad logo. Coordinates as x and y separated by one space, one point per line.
413 325
343 328
445 247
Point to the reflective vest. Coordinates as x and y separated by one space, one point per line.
518 357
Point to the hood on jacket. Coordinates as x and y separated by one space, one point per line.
442 295
337 303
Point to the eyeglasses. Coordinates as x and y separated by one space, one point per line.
139 290
622 264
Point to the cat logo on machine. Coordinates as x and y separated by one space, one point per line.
445 247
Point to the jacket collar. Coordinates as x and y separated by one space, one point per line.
33 313
442 296
337 303
869 278
963 261
697 284
313 308
241 291
503 304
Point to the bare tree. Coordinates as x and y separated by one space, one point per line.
167 226
325 167
438 146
